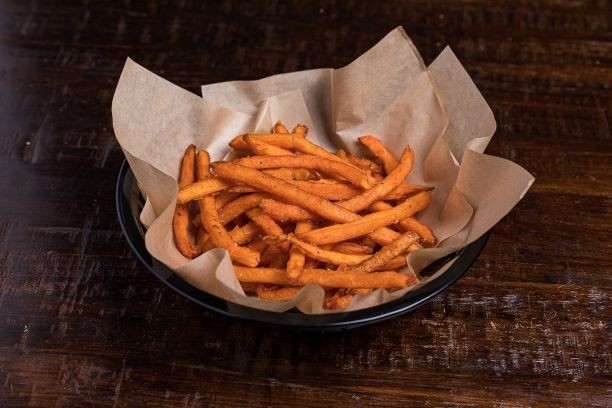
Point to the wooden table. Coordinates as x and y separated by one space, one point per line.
82 323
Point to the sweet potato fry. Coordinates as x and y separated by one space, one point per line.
242 235
334 168
326 278
210 220
378 149
201 188
300 130
285 212
352 248
280 128
293 173
267 225
314 252
408 224
181 220
262 148
368 223
380 190
387 253
279 294
404 190
239 206
295 264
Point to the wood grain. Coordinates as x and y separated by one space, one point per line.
83 324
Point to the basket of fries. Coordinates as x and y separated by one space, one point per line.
301 198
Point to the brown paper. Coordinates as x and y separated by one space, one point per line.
387 92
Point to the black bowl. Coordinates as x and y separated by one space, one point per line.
129 203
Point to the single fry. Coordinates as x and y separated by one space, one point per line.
296 260
280 128
368 223
404 190
378 149
314 252
262 148
285 212
244 234
387 253
352 248
380 190
239 206
409 224
181 220
210 220
300 130
201 188
326 278
326 166
278 295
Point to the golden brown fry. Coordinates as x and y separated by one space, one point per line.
409 224
285 212
378 149
244 234
293 142
326 166
325 188
300 130
262 148
353 248
201 188
295 264
380 190
326 278
336 258
405 189
278 295
293 173
210 220
239 206
267 225
280 128
224 197
396 263
294 195
181 220
371 222
387 253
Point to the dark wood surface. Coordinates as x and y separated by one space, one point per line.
83 324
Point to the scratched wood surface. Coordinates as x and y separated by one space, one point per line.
83 324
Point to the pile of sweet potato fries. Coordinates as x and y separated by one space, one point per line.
291 213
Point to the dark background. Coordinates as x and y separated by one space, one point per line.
83 324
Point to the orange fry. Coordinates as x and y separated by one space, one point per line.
353 248
181 219
300 130
409 224
240 205
368 223
378 149
326 166
280 128
326 278
210 220
336 258
285 212
278 295
262 148
380 190
201 188
296 260
387 253
244 234
267 225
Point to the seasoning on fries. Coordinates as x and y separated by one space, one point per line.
291 213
